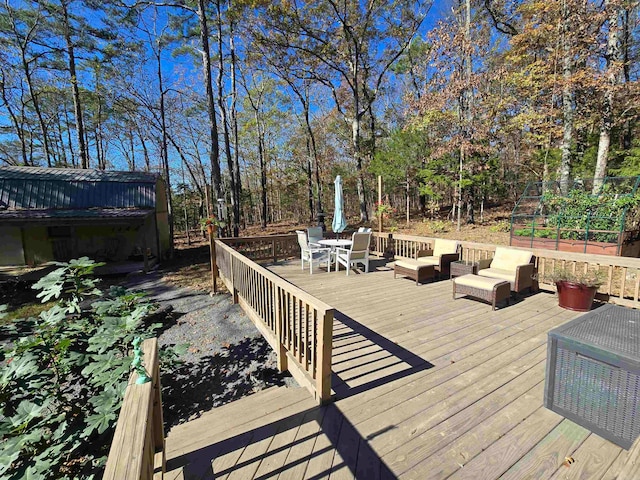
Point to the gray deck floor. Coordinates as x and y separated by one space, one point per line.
426 388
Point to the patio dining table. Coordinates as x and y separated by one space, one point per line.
334 243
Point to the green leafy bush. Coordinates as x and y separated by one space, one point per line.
599 218
501 226
63 379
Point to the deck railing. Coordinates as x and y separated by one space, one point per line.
622 274
267 247
298 326
137 449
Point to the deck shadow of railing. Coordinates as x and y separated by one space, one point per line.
333 432
367 337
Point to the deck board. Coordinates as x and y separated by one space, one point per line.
426 387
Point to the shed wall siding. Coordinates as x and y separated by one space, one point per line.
11 241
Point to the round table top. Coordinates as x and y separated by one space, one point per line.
335 242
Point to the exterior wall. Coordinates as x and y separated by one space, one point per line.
38 248
98 242
108 243
162 219
11 241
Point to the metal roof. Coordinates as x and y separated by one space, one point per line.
24 188
75 174
66 217
94 213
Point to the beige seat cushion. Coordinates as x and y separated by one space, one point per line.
496 273
442 247
409 264
476 281
509 259
429 260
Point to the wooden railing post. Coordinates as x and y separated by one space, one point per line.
234 290
273 251
212 251
323 376
281 351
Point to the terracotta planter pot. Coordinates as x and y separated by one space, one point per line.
575 296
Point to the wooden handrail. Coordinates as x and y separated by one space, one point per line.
137 449
298 326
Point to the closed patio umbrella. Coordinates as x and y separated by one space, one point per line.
339 222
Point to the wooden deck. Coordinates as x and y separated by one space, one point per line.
426 388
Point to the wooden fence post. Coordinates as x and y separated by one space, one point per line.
212 251
282 352
234 290
323 375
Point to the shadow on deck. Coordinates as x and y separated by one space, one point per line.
426 387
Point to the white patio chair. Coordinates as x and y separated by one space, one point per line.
358 253
314 235
312 254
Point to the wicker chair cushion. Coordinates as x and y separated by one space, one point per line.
509 259
429 260
409 264
508 275
442 246
476 281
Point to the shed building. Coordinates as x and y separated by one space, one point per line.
59 214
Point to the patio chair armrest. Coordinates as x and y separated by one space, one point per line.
524 276
484 263
340 249
447 258
424 253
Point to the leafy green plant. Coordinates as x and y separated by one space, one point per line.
61 384
438 226
500 226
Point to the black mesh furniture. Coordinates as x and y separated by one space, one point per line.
593 373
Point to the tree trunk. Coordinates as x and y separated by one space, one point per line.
612 75
77 105
14 119
36 108
164 154
568 101
237 193
214 153
225 122
68 123
357 154
309 180
263 169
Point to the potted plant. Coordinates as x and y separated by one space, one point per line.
211 224
576 290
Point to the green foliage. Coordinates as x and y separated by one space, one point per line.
579 214
501 226
61 385
438 226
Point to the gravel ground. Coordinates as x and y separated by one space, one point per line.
227 357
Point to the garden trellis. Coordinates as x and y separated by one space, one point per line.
606 222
